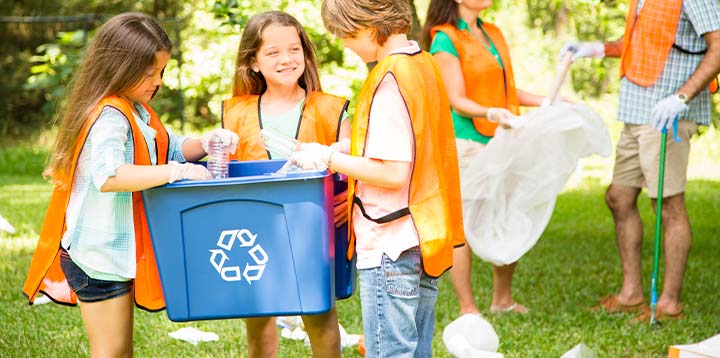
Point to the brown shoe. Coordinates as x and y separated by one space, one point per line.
610 304
646 314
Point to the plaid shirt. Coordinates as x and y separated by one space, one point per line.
100 234
636 102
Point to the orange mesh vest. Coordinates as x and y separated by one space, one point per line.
320 122
45 274
648 38
435 204
485 81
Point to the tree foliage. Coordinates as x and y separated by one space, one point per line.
38 58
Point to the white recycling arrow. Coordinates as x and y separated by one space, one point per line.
258 269
221 241
223 257
230 269
258 250
246 238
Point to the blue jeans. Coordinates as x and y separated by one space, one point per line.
87 288
398 307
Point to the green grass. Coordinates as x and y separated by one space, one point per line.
574 264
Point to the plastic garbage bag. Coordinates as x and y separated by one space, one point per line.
510 195
471 336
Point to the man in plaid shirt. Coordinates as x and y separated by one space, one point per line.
670 53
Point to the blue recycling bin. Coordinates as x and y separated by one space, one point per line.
345 270
253 244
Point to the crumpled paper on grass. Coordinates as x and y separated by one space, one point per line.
5 225
193 335
471 336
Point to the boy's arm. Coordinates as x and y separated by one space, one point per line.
386 173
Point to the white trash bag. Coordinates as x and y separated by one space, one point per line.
510 193
471 336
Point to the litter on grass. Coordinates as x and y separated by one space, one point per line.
193 335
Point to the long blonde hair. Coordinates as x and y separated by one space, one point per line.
115 61
247 81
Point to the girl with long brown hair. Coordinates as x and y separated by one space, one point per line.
276 87
94 245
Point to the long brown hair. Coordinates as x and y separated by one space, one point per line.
114 62
439 12
247 81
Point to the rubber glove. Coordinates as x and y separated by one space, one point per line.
187 171
584 49
665 111
503 117
343 146
229 139
312 156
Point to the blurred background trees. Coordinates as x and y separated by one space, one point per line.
42 41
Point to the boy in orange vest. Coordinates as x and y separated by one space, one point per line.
669 54
404 191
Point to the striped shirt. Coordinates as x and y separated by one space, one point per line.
636 102
100 234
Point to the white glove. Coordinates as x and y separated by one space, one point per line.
228 137
312 156
665 111
584 49
502 116
343 146
187 171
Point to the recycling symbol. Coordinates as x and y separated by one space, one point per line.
219 256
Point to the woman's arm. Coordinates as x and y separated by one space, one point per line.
529 99
452 75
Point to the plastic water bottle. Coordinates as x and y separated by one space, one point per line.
279 145
218 158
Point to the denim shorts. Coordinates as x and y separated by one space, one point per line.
398 307
87 288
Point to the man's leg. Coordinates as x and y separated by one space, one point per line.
622 201
677 236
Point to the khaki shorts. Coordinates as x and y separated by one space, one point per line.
637 158
467 150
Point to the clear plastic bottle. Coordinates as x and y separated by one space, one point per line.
218 158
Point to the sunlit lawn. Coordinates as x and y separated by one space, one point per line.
574 264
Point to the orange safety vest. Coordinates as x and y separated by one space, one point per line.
648 38
319 122
434 197
486 83
45 274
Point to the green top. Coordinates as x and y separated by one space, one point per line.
464 128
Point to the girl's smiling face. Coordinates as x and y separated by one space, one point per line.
280 58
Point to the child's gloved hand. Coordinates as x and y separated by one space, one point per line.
342 146
228 137
312 156
502 116
187 171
